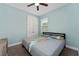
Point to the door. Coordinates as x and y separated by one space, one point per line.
32 26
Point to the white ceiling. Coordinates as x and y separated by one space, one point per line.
32 9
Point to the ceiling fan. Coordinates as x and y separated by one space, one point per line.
37 5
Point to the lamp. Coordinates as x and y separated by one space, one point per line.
36 4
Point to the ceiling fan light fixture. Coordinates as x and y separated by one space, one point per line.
36 4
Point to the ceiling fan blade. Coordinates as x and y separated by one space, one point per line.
44 4
31 4
37 8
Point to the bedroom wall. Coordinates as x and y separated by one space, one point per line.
65 20
13 23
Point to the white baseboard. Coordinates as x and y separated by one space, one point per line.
10 45
71 47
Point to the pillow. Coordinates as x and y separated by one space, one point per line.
46 35
60 38
54 37
57 37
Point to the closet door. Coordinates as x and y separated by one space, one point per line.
32 26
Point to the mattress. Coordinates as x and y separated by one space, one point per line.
51 47
26 42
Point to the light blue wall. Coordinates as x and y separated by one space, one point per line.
12 23
65 20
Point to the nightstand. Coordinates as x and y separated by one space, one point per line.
3 46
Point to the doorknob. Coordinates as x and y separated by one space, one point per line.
32 32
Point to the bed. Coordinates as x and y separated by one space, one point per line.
47 46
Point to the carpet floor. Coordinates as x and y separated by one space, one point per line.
18 50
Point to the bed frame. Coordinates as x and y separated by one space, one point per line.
55 34
50 34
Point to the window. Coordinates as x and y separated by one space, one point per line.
44 25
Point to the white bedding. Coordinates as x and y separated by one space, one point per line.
30 41
51 47
47 47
